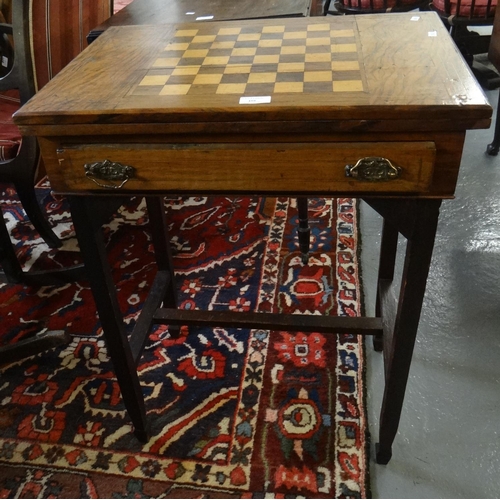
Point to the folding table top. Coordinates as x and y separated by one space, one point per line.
177 11
391 67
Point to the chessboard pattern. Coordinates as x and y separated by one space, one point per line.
256 60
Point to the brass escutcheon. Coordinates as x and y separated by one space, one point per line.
373 169
108 171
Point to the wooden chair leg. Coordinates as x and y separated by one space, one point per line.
36 216
8 259
12 272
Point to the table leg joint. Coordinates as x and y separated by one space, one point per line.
141 331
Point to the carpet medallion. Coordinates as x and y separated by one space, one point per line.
234 413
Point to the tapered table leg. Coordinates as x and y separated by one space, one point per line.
163 251
388 251
493 148
92 247
420 245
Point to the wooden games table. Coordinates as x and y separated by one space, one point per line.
373 106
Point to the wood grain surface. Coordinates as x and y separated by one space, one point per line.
245 166
181 11
408 96
410 70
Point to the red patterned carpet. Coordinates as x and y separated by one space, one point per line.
234 413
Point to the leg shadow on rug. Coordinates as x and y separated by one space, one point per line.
234 413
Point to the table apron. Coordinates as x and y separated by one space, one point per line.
386 167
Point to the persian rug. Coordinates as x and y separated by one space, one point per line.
234 413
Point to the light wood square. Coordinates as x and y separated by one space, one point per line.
231 88
244 51
181 89
150 90
203 39
248 37
207 79
314 42
345 65
317 76
216 61
319 27
293 49
271 43
273 29
320 57
177 46
237 69
262 78
185 70
165 62
344 47
269 59
341 33
186 33
294 67
282 87
222 45
348 86
154 80
229 31
195 53
294 35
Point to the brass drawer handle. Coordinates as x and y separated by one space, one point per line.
108 171
373 169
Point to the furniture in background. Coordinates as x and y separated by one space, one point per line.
461 16
370 123
20 157
494 57
176 11
37 40
377 6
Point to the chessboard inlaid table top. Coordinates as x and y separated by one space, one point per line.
391 67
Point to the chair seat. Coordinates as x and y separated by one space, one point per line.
120 4
10 138
479 9
376 6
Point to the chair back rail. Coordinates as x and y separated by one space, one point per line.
377 6
467 12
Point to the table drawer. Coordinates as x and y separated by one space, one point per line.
385 167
